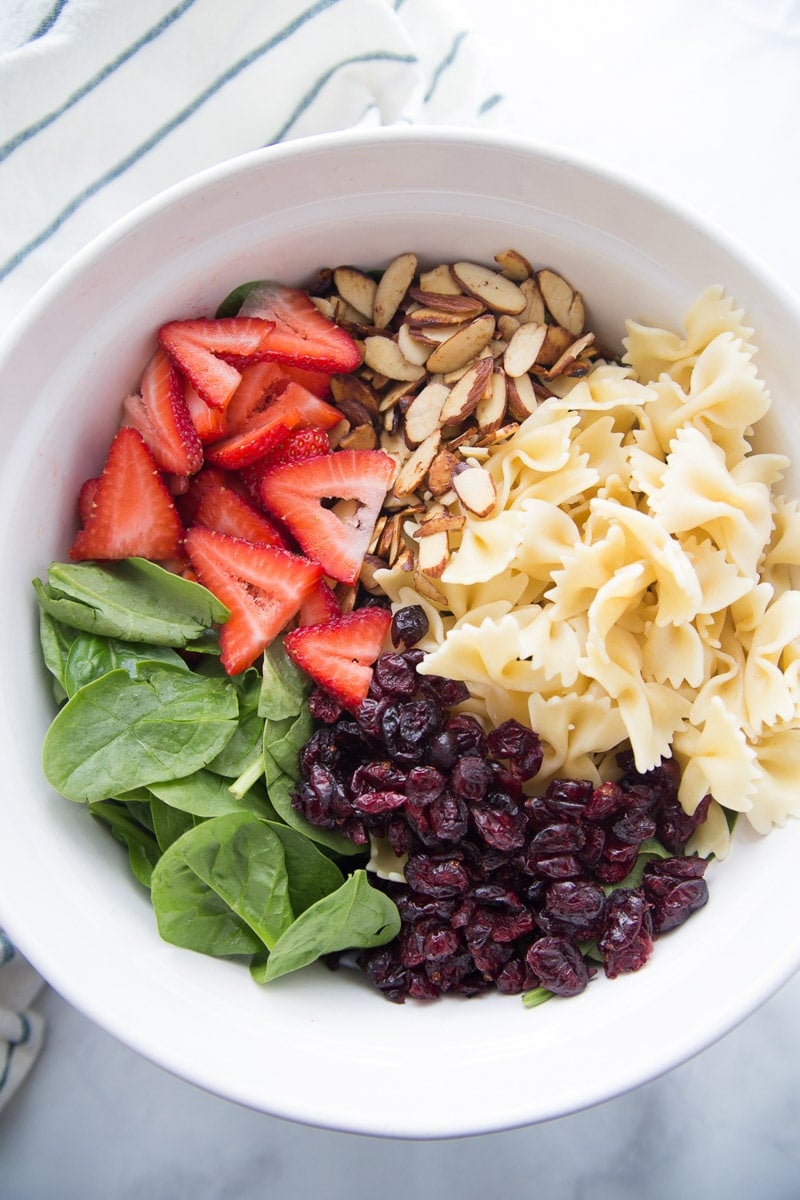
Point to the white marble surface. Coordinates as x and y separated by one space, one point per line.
698 97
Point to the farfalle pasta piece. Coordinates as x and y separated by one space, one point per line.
770 690
488 548
674 654
776 796
577 729
716 758
780 566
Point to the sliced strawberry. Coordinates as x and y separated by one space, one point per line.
263 586
295 493
86 497
302 335
320 606
160 412
260 383
215 499
131 513
265 430
308 442
210 423
339 654
200 347
318 382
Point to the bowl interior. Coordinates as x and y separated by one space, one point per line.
320 1047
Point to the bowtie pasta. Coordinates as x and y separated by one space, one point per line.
635 582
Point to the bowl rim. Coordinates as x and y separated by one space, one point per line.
691 1041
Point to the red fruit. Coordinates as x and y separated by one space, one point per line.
131 512
160 412
295 493
262 586
86 497
267 427
301 335
211 423
339 654
260 383
320 606
298 446
200 347
215 501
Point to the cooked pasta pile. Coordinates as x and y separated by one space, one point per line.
634 583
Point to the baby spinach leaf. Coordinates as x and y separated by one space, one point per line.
168 823
230 306
91 656
222 887
204 794
143 849
119 733
55 639
284 687
245 745
134 599
285 739
311 873
356 915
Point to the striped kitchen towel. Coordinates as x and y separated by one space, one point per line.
104 103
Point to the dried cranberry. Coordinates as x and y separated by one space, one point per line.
392 675
436 876
448 817
424 784
409 625
470 777
446 692
634 828
675 889
627 938
323 707
501 828
573 908
521 746
558 966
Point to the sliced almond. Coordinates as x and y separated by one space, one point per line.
434 554
465 395
523 349
534 310
362 437
465 344
514 265
347 389
507 326
495 290
324 305
437 318
570 356
428 590
412 348
369 568
491 409
384 355
443 522
356 289
441 472
467 306
439 280
415 468
476 490
565 304
522 399
391 290
423 416
557 340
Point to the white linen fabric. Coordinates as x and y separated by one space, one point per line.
104 103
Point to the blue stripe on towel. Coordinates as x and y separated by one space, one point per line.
25 135
313 92
446 62
121 167
48 21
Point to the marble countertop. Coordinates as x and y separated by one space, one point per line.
699 100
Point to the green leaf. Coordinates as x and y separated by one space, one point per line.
284 687
168 823
285 739
230 306
355 916
649 850
134 599
143 850
55 639
91 656
204 794
118 733
222 887
245 745
311 873
536 996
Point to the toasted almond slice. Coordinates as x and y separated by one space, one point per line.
406 560
507 326
369 567
441 471
476 490
351 389
495 290
522 399
557 340
325 305
523 349
429 591
380 525
391 290
465 395
412 348
467 306
385 356
397 391
423 415
434 554
570 356
565 304
441 522
346 595
534 310
361 437
463 345
514 265
357 289
430 335
437 318
390 537
439 280
416 466
491 409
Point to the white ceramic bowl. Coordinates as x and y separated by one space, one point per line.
316 1047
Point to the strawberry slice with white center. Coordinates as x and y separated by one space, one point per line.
263 587
265 428
210 423
320 606
128 509
301 334
339 654
336 538
217 500
201 347
160 412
